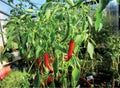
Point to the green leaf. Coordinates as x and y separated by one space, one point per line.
55 10
52 35
22 51
10 40
100 27
72 61
47 14
81 37
93 42
24 40
10 24
98 20
77 49
30 10
30 54
60 47
14 19
90 20
70 2
37 80
22 16
75 75
55 65
79 2
38 49
90 49
15 45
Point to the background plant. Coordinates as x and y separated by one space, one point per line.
16 79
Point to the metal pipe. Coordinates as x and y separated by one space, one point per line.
32 3
4 13
4 20
2 35
7 3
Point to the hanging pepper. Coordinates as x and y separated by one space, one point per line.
70 50
46 60
48 80
38 60
40 66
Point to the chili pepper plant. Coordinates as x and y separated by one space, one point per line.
51 40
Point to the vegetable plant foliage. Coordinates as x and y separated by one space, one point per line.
54 36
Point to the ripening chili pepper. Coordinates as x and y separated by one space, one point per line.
48 80
70 50
4 72
46 61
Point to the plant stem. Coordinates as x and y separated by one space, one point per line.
31 66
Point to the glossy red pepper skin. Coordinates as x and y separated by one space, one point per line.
4 72
46 61
70 50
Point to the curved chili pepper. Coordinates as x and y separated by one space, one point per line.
46 60
70 50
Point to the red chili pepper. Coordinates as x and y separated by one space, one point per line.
38 60
48 80
4 72
46 60
70 50
40 66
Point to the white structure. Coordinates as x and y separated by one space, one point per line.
4 14
3 20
